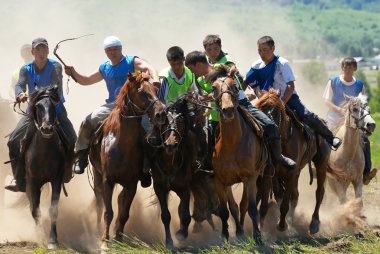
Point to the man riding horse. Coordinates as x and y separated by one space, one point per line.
114 72
336 88
197 62
274 71
39 73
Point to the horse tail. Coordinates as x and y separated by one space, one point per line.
309 134
64 190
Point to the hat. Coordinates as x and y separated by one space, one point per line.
39 41
111 41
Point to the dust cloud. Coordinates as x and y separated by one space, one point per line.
147 29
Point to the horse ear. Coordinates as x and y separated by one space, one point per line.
259 93
346 97
277 92
145 76
131 77
35 87
232 71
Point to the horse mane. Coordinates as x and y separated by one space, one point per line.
272 99
349 100
113 122
221 71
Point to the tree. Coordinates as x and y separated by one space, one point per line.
375 101
361 76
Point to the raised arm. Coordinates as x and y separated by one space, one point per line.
143 66
84 80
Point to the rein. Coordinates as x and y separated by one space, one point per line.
133 106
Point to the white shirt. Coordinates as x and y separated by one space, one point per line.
283 74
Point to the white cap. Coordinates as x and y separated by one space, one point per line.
111 41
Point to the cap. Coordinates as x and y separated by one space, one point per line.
39 41
111 41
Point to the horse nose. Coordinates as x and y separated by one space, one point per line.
371 127
228 112
160 117
47 128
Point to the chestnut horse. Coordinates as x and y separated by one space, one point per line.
239 154
300 148
121 152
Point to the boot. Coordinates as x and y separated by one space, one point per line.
82 161
278 158
368 177
319 127
19 174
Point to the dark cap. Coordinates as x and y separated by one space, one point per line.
39 41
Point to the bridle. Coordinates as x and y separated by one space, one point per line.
140 112
229 91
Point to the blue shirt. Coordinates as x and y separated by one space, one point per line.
262 78
116 75
49 75
339 90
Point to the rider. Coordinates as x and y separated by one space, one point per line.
337 87
114 71
274 71
41 72
197 62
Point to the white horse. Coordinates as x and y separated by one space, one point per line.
346 164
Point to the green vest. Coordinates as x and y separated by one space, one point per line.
175 89
207 87
225 59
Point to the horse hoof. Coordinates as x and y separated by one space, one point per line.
52 246
240 233
180 235
282 228
169 245
258 240
314 226
104 247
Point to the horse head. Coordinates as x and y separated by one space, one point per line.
43 103
358 114
176 124
271 104
225 91
141 98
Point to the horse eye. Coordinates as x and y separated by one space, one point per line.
355 110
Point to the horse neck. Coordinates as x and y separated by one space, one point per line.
231 132
350 139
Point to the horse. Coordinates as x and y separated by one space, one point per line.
301 147
121 150
346 165
173 164
46 157
239 154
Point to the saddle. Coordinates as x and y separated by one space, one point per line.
251 121
303 127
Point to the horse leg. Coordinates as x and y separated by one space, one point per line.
184 214
284 208
223 210
234 209
124 202
98 190
358 187
265 192
53 212
320 192
34 197
162 196
108 213
252 209
294 197
243 206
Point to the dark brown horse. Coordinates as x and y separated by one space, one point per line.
121 153
46 158
173 164
300 148
239 155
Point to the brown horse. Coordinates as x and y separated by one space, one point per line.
239 155
297 146
121 153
